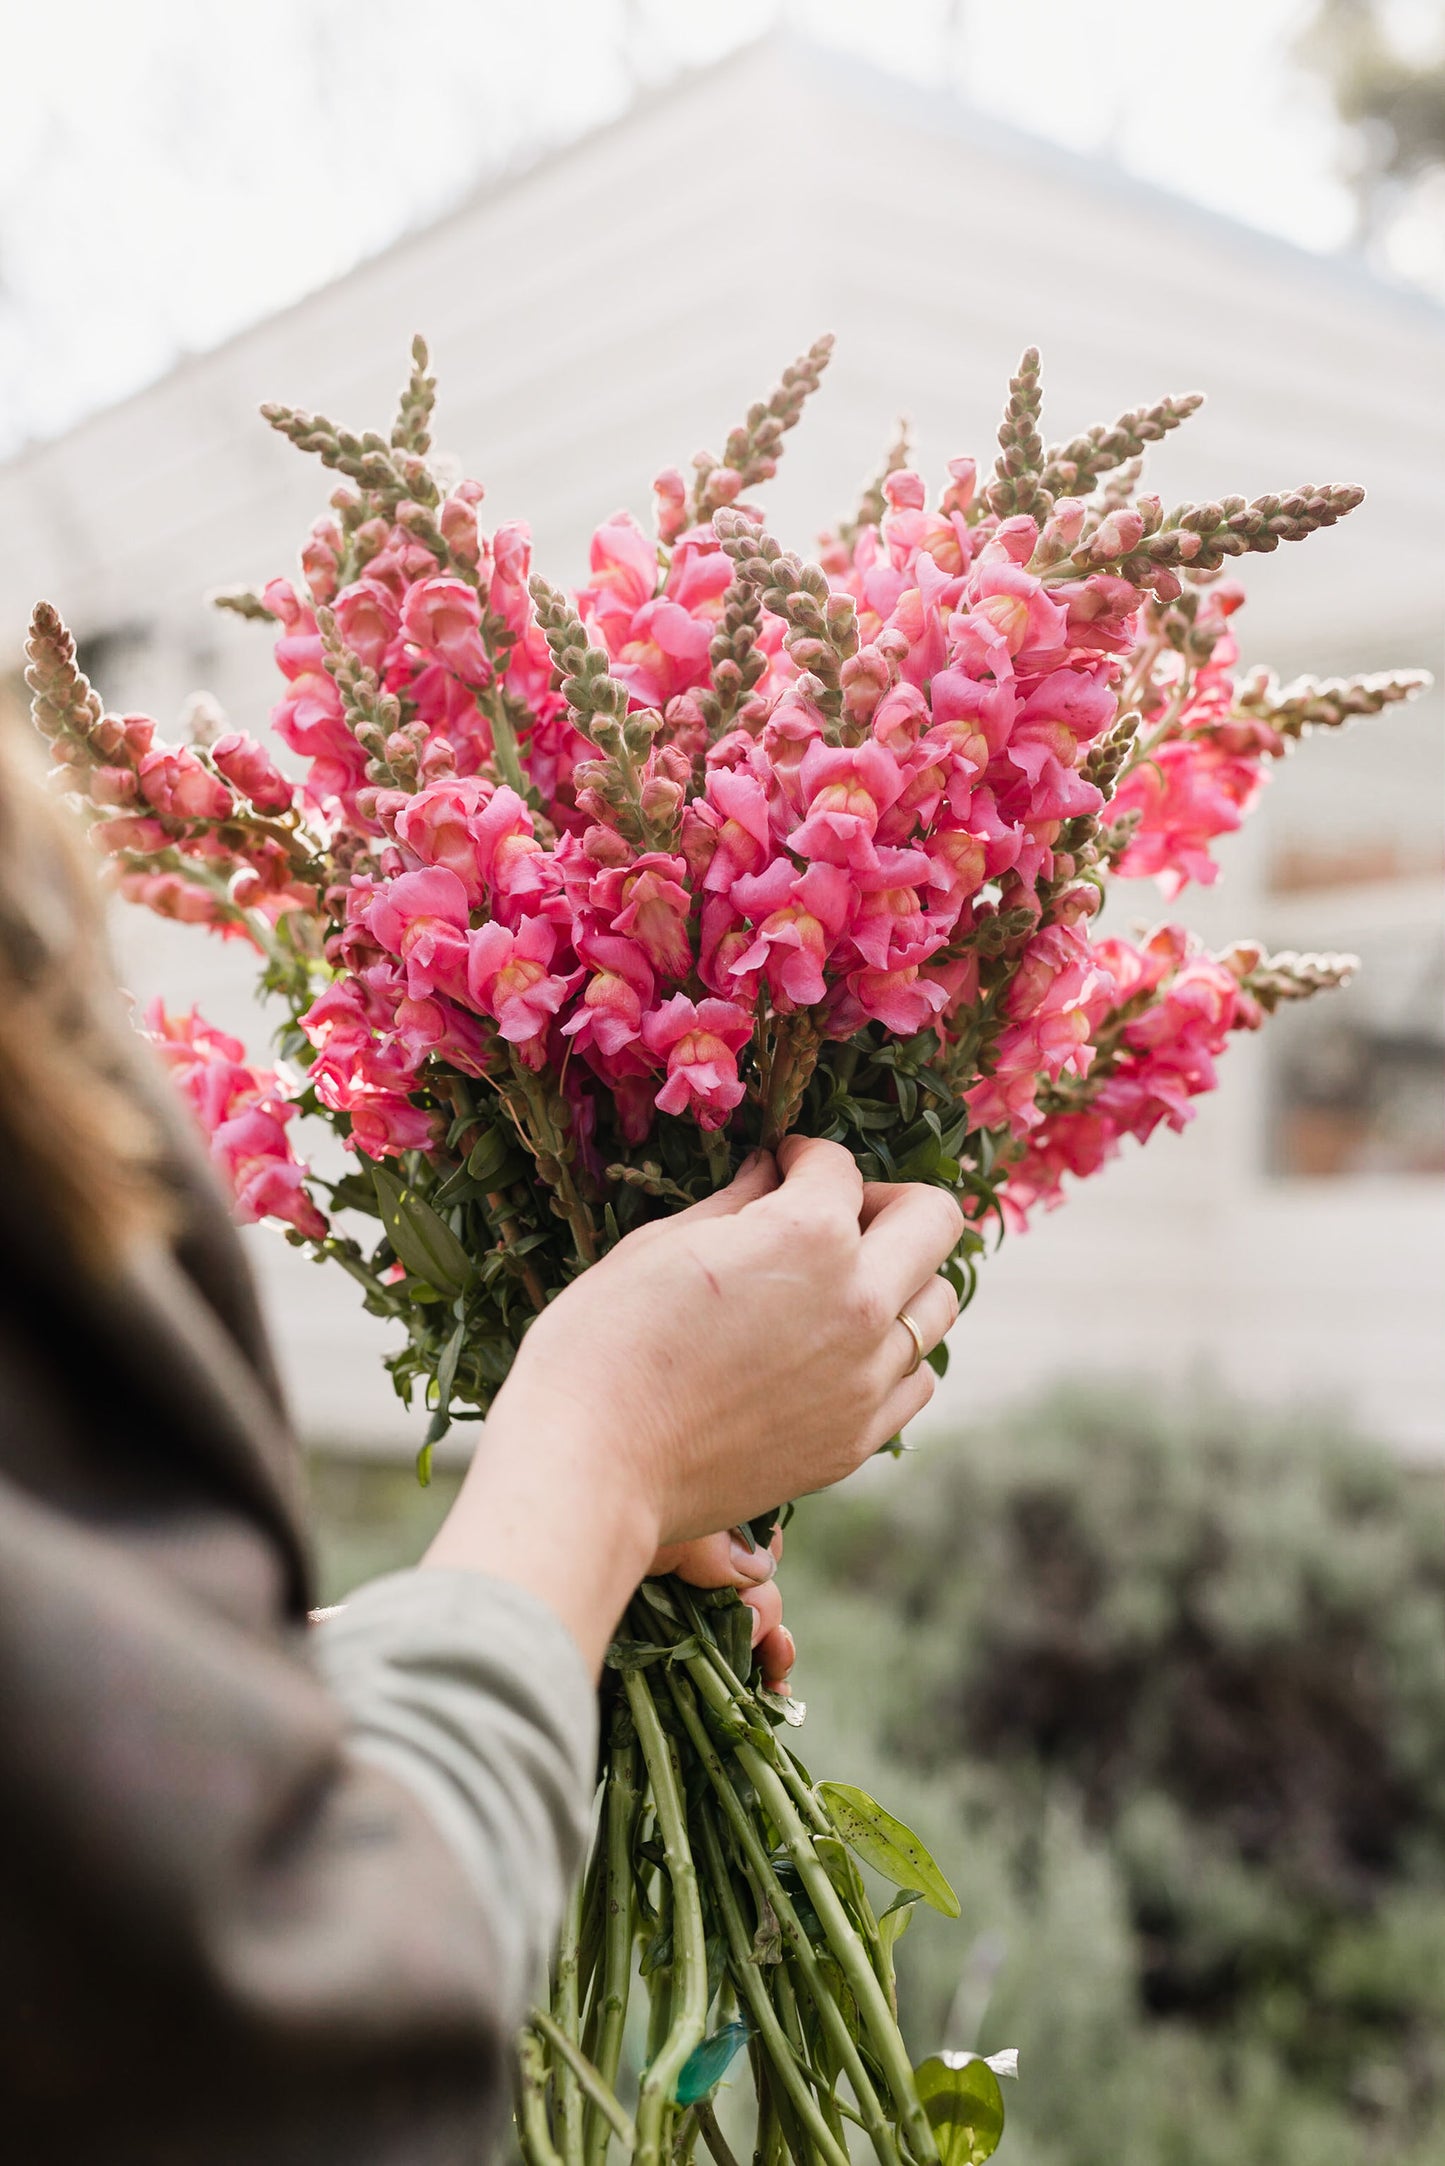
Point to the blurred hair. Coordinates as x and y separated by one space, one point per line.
70 1127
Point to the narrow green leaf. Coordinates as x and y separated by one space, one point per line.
447 1366
886 1844
897 1918
707 2064
839 1866
964 2105
424 1242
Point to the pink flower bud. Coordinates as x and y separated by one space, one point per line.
458 522
660 800
963 480
175 782
604 846
138 731
249 768
1116 535
113 786
904 490
670 495
133 837
1065 524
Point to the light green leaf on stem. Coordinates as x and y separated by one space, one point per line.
422 1239
886 1844
964 2105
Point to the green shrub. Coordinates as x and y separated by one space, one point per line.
1172 1684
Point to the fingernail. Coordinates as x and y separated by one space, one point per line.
750 1562
748 1163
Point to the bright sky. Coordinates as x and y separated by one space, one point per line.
169 172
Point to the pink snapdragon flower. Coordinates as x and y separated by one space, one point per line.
1060 990
442 617
846 790
607 1022
243 1116
439 825
1188 793
177 784
658 641
701 1044
797 920
422 917
368 617
648 900
510 978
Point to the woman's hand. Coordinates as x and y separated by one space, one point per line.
725 1560
713 1365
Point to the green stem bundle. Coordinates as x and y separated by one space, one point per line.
718 1863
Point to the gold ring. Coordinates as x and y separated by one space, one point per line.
918 1347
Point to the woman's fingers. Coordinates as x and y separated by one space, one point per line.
934 1308
766 1604
755 1177
821 1177
908 1231
718 1560
776 1654
907 1398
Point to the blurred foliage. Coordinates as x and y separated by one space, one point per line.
1178 1680
370 1516
1163 1688
1395 99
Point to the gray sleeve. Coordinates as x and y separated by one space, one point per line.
474 1695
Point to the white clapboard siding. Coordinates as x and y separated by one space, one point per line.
604 314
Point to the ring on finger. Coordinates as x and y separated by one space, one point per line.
911 1327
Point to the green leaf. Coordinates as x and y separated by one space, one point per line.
493 1158
938 1359
964 2105
447 1366
836 1863
657 1955
424 1242
639 1654
897 1918
707 2064
886 1844
784 1706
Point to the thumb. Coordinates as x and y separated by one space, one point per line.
756 1176
716 1560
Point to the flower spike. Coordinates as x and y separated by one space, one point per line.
751 453
1073 469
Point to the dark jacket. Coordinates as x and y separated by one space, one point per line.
224 1934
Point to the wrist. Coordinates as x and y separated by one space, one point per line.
548 1506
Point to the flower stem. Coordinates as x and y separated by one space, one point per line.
587 2076
568 2028
750 1843
689 2006
848 1949
622 1803
750 1984
537 2144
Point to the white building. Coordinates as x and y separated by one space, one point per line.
618 306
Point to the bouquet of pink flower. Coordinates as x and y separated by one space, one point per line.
577 900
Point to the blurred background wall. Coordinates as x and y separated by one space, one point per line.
599 309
